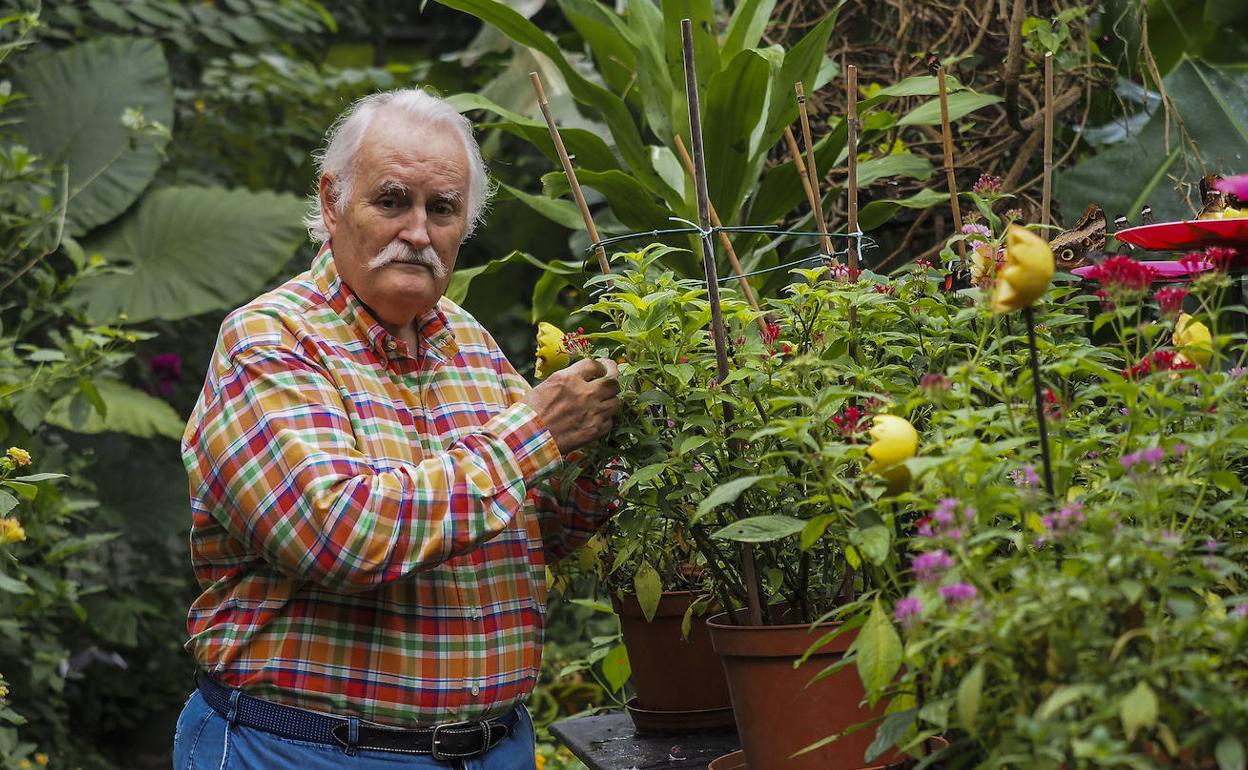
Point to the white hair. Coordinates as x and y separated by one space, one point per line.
346 135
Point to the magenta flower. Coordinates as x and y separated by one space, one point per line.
928 567
907 610
958 593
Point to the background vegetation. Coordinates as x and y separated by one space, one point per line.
155 156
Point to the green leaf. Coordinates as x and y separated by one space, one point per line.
1141 169
725 493
904 164
35 478
129 411
1062 697
9 585
801 62
879 652
878 212
7 503
589 149
72 115
632 203
916 85
616 668
746 27
701 14
970 690
1229 753
193 250
649 589
28 491
1138 709
30 407
731 109
73 545
960 104
761 529
609 39
560 211
874 542
890 731
781 189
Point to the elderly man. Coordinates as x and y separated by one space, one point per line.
371 486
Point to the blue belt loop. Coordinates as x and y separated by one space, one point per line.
232 717
353 735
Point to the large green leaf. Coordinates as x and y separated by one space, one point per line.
745 29
878 212
192 250
587 147
1213 103
558 210
781 189
801 62
73 115
631 202
609 39
611 107
878 650
731 111
761 529
129 411
961 104
701 14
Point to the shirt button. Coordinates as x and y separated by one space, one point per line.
391 345
476 689
476 613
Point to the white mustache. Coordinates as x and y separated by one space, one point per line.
397 251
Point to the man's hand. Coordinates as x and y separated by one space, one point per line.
578 404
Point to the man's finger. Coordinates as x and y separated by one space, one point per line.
613 369
589 368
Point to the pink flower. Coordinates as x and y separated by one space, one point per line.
957 593
987 185
1170 300
907 610
928 567
1123 276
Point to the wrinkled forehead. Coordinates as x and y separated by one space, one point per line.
399 150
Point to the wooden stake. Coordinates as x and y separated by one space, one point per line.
569 171
796 152
748 571
1046 204
851 183
946 132
811 169
723 238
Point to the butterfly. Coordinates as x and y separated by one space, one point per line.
1215 204
1082 243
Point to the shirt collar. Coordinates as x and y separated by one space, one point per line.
433 328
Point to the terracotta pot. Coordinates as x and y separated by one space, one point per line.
777 713
672 674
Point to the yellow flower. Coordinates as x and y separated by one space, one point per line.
1193 338
4 691
894 440
18 455
25 764
1027 271
11 530
41 759
551 355
540 761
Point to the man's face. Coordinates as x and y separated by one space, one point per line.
396 241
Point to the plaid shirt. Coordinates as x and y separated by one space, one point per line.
369 531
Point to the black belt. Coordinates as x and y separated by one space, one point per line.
446 742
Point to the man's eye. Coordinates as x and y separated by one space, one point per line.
389 203
444 208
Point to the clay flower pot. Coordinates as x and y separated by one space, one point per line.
680 683
778 710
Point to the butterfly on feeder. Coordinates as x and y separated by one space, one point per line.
1216 204
1083 243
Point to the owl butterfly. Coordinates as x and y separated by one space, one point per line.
1075 247
1214 203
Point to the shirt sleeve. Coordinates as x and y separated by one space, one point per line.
570 510
276 452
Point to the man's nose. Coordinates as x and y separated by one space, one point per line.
415 232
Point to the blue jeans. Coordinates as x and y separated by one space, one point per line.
204 741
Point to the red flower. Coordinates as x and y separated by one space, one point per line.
1170 300
884 288
1052 406
1123 276
851 420
1159 361
771 333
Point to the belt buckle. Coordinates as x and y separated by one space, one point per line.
437 752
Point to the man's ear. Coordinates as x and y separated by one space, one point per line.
328 199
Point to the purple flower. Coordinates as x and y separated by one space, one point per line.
1237 372
978 233
1153 456
943 520
1092 455
1211 545
928 567
1025 476
1241 611
956 593
1180 449
907 610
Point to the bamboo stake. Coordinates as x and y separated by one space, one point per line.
1047 197
724 240
796 152
569 171
811 169
946 132
1029 317
851 182
748 572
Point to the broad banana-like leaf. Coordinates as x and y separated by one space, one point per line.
1213 103
72 114
129 410
192 250
588 148
732 110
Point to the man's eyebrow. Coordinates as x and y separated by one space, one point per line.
391 187
453 196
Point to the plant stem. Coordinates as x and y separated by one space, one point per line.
1029 317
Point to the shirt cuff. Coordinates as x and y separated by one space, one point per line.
524 433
